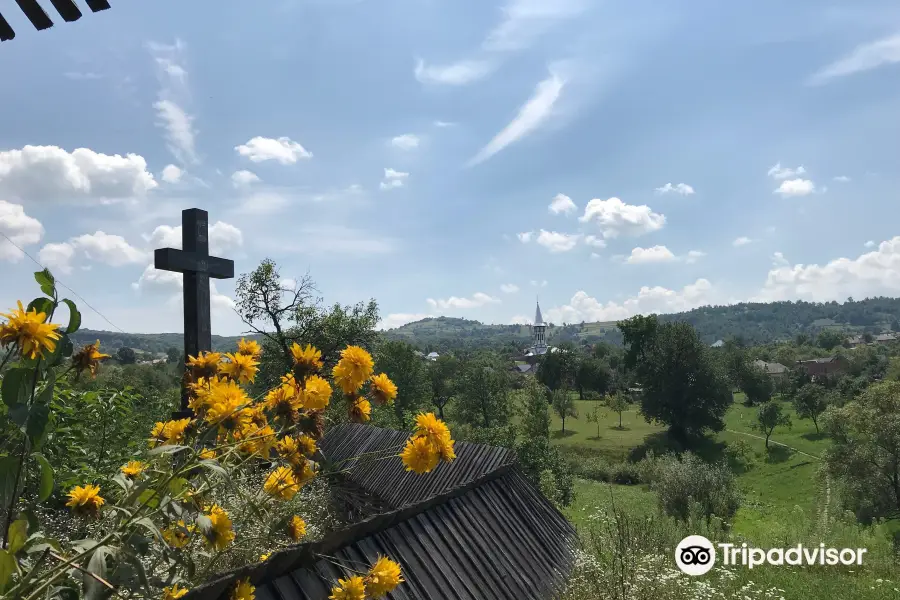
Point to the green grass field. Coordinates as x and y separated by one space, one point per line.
785 497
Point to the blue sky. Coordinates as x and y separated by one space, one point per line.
459 157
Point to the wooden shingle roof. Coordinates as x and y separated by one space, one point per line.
489 535
67 9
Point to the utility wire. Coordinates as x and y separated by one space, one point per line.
74 293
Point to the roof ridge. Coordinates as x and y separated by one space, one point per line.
306 555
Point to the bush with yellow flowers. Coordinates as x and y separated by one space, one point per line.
174 514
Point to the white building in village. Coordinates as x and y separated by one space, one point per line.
539 345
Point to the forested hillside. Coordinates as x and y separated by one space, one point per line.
757 323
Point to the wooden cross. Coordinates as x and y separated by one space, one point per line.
197 266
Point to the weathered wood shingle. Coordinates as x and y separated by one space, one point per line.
39 18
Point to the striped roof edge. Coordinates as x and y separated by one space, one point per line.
39 18
494 537
388 480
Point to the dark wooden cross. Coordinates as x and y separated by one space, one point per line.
197 266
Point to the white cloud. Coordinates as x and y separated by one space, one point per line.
557 242
223 237
243 178
654 254
173 99
842 179
657 299
112 250
478 299
865 57
525 236
168 283
407 141
593 240
779 172
49 173
458 73
779 260
682 189
395 320
57 257
393 179
525 20
443 124
282 150
171 174
595 256
870 244
875 273
614 217
531 116
693 256
509 288
21 230
795 187
535 283
741 241
562 204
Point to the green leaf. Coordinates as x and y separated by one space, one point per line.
178 486
9 466
214 466
74 317
39 415
42 305
93 589
14 387
62 350
45 280
167 449
18 534
148 498
46 487
7 568
204 524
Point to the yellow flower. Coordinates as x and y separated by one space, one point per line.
225 401
174 592
281 484
199 393
316 393
306 360
353 588
205 365
220 532
437 434
360 410
88 358
170 432
207 454
289 450
177 535
304 472
383 577
296 528
306 445
284 402
29 331
85 500
133 469
259 440
239 367
383 389
249 348
258 415
419 455
243 590
265 556
354 368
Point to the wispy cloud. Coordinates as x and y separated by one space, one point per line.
865 57
531 116
458 73
174 95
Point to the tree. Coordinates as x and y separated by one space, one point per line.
400 363
618 403
483 399
769 417
757 385
173 355
126 356
865 451
810 402
535 454
563 405
535 412
638 334
558 369
593 375
683 387
443 374
829 339
595 416
895 325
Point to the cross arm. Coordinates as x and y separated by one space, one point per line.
172 259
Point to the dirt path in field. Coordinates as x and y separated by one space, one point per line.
771 441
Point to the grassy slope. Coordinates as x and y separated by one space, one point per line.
778 483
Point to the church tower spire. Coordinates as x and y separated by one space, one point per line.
538 331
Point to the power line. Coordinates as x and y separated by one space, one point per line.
74 293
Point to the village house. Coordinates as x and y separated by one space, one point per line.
824 367
776 371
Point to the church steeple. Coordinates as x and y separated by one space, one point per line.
537 331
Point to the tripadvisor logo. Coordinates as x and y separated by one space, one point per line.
696 555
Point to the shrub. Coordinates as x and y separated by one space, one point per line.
595 468
681 483
626 473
